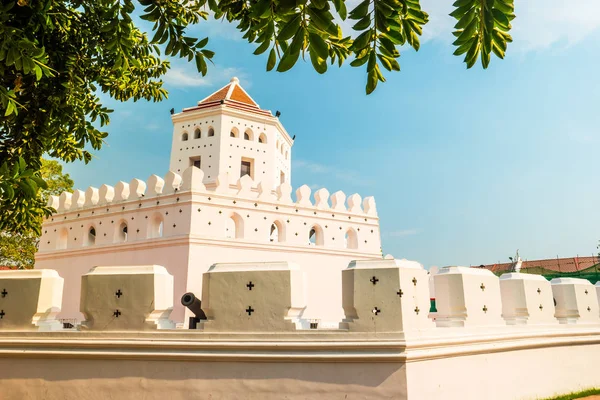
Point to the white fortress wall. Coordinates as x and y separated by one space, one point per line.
186 226
250 346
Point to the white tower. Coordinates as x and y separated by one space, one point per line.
227 132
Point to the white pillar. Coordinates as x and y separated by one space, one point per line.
526 299
30 299
253 297
386 296
576 301
467 297
127 298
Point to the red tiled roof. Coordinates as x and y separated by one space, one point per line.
231 95
219 95
554 264
240 95
3 268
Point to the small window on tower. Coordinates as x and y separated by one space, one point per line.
282 177
246 168
195 162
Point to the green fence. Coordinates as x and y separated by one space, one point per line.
592 273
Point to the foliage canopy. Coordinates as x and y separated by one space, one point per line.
56 56
18 250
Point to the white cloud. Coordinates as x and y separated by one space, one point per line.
542 23
184 75
152 126
539 23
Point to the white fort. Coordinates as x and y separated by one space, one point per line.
296 300
226 198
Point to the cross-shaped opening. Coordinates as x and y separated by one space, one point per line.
4 293
485 309
250 285
539 291
482 287
541 307
586 292
249 310
376 311
414 281
589 309
119 293
374 280
400 293
117 313
2 314
417 310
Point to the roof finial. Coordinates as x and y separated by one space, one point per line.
235 80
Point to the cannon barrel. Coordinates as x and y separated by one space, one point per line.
194 304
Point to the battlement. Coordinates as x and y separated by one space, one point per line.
179 205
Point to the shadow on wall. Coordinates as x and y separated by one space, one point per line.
75 379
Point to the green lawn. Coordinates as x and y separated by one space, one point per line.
577 395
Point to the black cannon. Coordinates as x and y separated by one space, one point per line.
194 304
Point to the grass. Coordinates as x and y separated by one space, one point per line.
576 395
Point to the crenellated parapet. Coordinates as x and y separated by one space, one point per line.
243 210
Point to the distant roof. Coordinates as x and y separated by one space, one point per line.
231 95
553 264
2 268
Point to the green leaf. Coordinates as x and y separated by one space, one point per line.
372 61
340 7
290 28
292 53
361 10
362 24
372 81
262 48
201 64
359 61
319 64
467 33
362 40
272 59
501 19
318 45
322 21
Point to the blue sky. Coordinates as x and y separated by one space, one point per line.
465 166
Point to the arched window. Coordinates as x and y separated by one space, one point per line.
156 227
234 132
277 232
351 239
211 132
234 227
315 236
248 135
91 236
287 154
262 138
281 149
62 239
277 144
121 234
184 137
197 133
